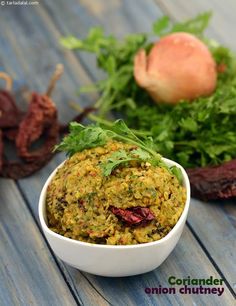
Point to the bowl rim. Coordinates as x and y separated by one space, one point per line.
46 229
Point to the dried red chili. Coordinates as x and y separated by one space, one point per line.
211 183
133 216
40 120
41 117
144 212
24 129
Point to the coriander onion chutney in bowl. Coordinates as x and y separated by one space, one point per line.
115 207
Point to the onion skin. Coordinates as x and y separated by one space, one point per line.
179 66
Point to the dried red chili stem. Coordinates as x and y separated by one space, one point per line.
55 77
7 79
211 183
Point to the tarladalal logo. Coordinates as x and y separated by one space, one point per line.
189 286
15 3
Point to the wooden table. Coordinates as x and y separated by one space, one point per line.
30 274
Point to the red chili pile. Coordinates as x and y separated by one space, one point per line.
23 130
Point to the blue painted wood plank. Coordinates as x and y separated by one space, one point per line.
222 25
27 270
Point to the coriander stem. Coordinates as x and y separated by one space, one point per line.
107 122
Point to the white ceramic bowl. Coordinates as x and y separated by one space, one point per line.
112 260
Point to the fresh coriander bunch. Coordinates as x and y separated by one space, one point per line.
199 133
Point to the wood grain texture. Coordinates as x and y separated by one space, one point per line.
28 273
217 234
223 21
186 260
32 41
